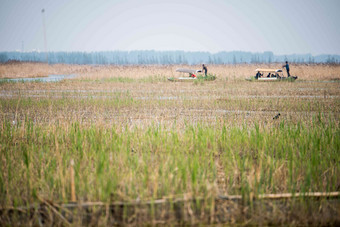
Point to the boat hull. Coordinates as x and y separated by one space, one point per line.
272 79
199 78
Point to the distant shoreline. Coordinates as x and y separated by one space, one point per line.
150 57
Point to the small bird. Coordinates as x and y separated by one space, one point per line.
277 116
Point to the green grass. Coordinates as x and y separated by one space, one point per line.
9 81
209 77
156 162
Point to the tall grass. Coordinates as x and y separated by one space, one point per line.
156 162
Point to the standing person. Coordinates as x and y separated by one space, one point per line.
258 75
287 68
204 68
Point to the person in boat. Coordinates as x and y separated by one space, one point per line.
287 68
204 68
258 75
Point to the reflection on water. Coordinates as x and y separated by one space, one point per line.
50 78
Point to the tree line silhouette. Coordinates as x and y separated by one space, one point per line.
163 57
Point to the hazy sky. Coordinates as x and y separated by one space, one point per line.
284 27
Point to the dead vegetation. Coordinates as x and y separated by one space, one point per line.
223 72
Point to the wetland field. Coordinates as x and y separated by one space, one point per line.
122 145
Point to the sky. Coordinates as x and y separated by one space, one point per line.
283 27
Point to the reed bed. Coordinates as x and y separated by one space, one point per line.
35 69
118 164
156 162
130 136
223 72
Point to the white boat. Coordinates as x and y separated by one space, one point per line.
270 75
193 75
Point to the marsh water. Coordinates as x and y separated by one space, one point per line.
49 78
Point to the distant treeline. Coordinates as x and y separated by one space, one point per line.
163 57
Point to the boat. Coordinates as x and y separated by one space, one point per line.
193 75
270 75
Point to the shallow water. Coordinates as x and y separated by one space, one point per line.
49 78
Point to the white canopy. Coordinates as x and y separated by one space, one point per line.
269 70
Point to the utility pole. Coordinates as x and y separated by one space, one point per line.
44 30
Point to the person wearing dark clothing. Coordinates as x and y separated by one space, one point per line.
287 68
204 68
258 75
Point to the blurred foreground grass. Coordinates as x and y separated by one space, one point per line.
156 162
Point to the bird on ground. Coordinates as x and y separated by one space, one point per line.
277 116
